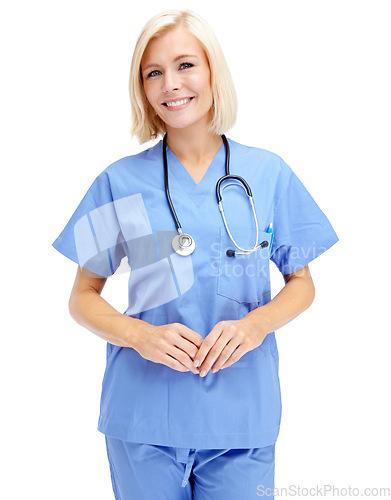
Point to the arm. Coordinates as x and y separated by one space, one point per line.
90 310
174 345
296 296
229 340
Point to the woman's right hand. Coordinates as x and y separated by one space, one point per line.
174 345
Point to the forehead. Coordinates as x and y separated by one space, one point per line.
177 41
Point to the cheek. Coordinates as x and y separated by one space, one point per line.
201 84
150 95
149 86
147 92
207 90
207 82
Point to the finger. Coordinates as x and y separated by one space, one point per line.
207 343
214 354
235 356
189 334
174 364
183 358
225 355
180 340
188 347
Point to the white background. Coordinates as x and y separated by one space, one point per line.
313 83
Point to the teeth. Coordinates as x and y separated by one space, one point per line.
178 103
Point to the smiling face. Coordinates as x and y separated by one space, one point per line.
176 79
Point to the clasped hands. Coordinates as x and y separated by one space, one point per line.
182 349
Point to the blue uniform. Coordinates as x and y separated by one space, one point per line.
145 471
124 220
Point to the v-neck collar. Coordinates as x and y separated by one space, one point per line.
177 171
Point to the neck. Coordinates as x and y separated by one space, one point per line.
193 147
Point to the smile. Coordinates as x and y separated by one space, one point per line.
174 104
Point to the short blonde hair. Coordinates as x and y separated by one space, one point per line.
146 125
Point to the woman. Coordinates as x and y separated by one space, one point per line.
190 402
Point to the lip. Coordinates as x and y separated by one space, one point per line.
178 108
178 99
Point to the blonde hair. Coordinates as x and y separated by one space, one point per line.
146 125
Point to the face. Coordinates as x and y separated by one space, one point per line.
176 78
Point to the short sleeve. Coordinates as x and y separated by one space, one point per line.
92 237
302 231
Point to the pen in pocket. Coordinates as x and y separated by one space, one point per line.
270 230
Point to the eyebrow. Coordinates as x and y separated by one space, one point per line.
152 65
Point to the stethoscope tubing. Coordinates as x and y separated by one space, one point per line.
244 250
173 212
227 176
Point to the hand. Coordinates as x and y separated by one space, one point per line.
221 342
173 345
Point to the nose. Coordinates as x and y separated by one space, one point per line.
171 81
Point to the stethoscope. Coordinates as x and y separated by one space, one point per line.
183 243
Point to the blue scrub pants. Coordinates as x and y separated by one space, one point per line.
146 472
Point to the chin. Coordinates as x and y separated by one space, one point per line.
180 125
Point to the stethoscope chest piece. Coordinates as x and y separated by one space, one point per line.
183 244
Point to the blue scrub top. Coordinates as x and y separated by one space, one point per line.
124 220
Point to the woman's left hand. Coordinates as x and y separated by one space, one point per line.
221 342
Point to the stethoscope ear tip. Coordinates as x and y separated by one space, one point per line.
230 253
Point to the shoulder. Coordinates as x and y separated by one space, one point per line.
143 162
260 158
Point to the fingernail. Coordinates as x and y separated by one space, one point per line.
203 373
196 362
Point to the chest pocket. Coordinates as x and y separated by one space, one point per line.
244 278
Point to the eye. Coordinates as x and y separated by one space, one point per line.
153 73
188 65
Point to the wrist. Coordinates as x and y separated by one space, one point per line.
259 321
133 331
